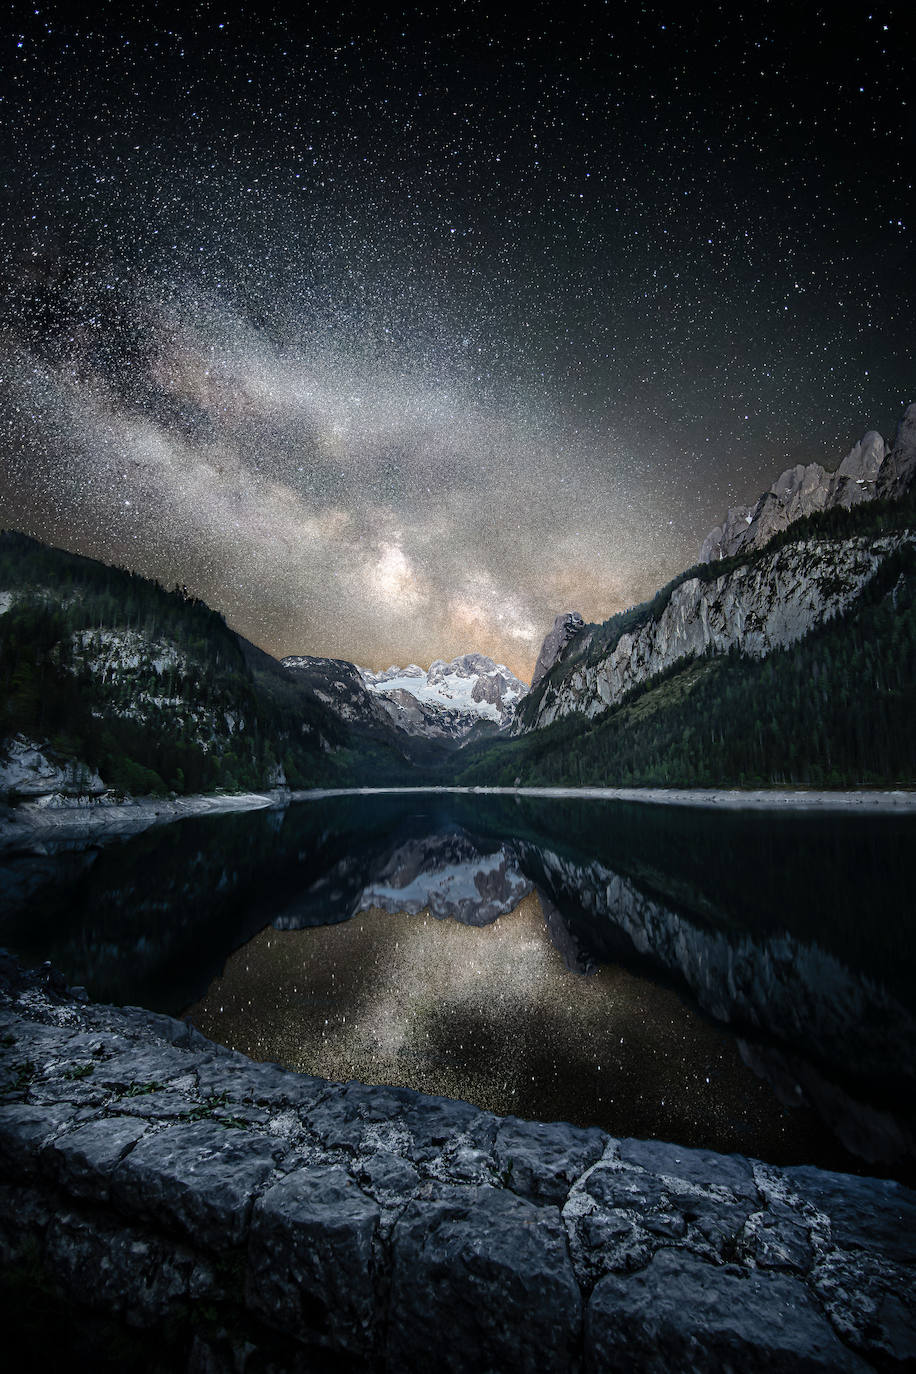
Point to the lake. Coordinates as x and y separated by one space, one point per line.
740 980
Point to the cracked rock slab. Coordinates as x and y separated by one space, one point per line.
86 1158
865 1213
310 1259
683 1314
541 1160
200 1176
483 1278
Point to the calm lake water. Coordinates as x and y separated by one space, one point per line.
740 981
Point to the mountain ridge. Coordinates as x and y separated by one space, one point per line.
450 700
108 681
714 606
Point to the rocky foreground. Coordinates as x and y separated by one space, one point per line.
253 1219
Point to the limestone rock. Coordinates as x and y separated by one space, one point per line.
26 770
899 470
199 1176
864 1214
756 608
493 1272
681 1313
310 1258
542 1161
565 628
284 1223
799 491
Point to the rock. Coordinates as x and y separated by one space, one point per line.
141 1068
27 770
265 1085
565 629
542 1161
106 1266
757 608
198 1176
863 462
899 470
310 1259
493 1272
345 1226
799 491
387 1178
703 1167
85 1158
777 1243
865 1214
24 1130
399 1120
682 1314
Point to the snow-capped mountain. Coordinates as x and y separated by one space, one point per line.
449 700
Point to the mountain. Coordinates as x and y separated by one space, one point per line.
565 628
339 685
791 570
790 661
450 701
764 603
108 681
865 474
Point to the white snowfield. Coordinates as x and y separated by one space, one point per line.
471 685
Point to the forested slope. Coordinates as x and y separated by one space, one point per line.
153 690
836 709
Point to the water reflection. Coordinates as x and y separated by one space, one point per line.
492 1015
352 921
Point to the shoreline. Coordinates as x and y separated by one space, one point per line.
32 822
874 801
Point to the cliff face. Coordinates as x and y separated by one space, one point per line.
799 491
764 605
768 603
870 470
565 629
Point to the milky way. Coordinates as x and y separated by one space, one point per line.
392 337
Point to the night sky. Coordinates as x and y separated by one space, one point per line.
392 334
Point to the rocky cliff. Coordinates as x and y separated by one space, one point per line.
565 629
799 491
339 685
871 469
766 601
234 1216
764 604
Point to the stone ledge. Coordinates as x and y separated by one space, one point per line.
157 1175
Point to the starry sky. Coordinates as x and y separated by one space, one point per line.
392 333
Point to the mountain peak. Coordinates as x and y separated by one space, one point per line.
449 699
565 628
870 470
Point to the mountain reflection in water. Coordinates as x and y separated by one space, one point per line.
743 981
